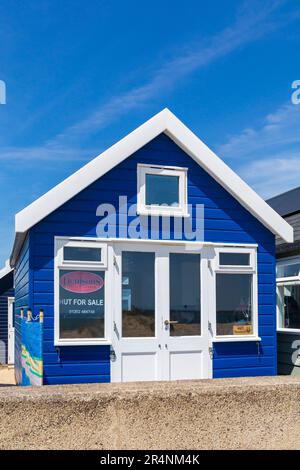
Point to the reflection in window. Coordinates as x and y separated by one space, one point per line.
289 304
81 304
185 294
234 259
138 294
162 189
74 253
288 270
234 304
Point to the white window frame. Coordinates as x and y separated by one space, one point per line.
241 267
71 243
236 269
164 210
60 263
286 281
210 257
288 262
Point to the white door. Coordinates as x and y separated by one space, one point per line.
11 331
160 316
184 310
136 329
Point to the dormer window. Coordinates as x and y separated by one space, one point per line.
162 190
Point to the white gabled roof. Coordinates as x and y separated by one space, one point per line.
166 122
6 270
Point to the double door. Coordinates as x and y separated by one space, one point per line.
160 315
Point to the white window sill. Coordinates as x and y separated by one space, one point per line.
235 339
281 281
61 343
291 331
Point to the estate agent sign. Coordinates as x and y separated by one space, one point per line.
81 299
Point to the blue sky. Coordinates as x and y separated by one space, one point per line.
80 75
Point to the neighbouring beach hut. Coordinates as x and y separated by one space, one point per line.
288 285
154 261
7 335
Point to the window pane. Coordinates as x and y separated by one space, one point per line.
185 304
72 253
162 190
234 305
290 306
138 294
234 259
81 304
288 270
13 314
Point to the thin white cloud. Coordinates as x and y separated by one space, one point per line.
268 158
279 130
52 153
273 176
254 20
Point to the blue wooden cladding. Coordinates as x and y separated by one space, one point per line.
225 220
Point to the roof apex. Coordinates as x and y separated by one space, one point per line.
163 122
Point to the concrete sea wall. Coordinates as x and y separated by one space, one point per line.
247 413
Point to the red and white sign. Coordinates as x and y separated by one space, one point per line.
81 282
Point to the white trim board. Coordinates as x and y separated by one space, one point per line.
10 331
163 122
190 243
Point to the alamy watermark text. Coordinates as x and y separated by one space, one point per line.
295 98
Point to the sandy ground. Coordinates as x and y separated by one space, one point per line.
7 376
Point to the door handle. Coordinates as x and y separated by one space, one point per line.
170 322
